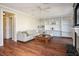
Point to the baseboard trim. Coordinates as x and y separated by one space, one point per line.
7 38
63 37
1 45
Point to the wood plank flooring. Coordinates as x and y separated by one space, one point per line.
56 47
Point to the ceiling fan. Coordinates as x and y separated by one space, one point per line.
43 7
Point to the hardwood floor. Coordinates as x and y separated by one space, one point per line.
56 47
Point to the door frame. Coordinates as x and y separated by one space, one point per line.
14 26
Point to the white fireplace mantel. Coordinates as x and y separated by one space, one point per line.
77 30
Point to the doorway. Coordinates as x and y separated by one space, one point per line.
8 25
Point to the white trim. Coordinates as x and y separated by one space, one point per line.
14 29
1 27
11 11
8 9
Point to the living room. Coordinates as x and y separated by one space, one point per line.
41 25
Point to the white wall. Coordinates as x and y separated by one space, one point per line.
63 26
4 27
23 21
1 27
7 28
67 25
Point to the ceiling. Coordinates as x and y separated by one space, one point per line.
42 10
